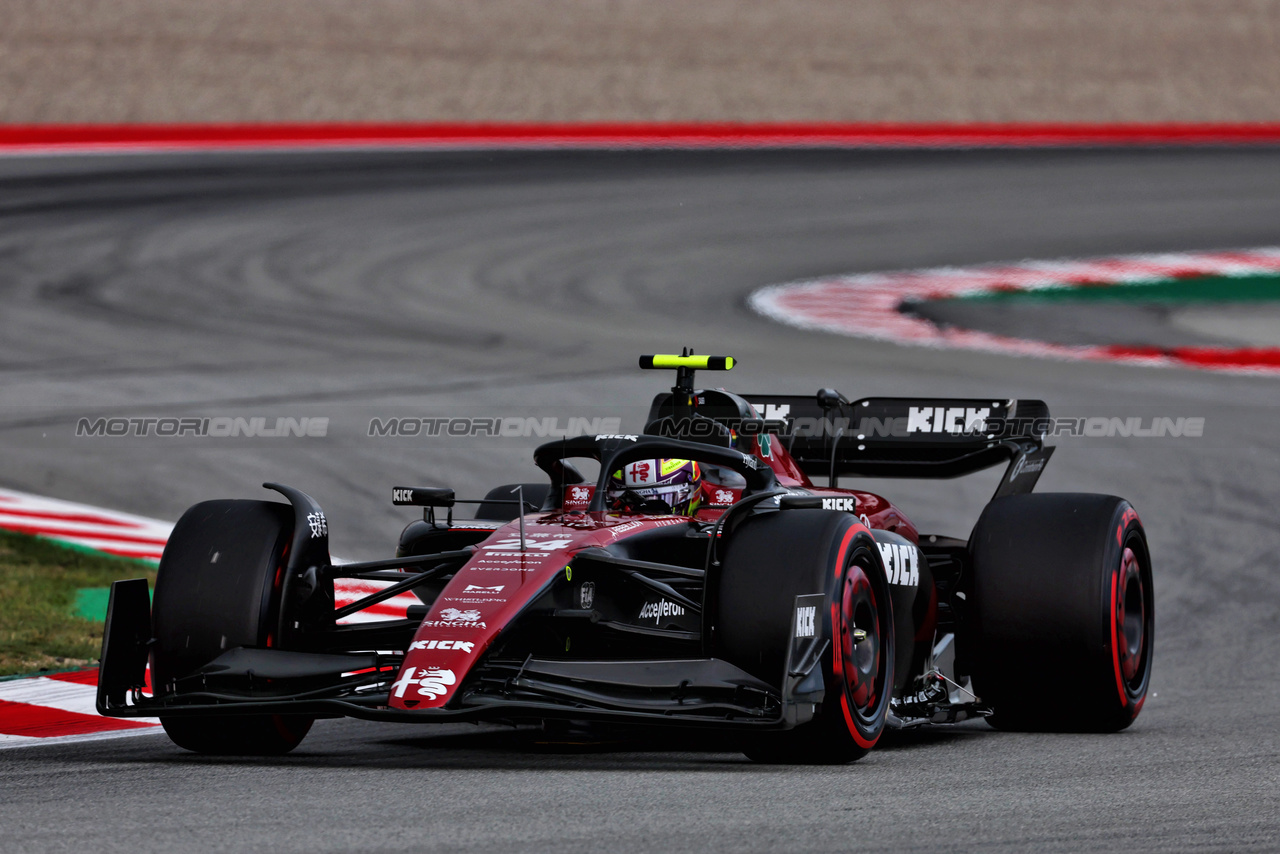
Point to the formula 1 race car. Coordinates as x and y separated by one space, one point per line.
699 578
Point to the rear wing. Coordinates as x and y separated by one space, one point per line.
911 437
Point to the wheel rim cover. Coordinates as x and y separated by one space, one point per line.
862 660
1130 616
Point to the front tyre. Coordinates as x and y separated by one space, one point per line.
862 661
218 587
1062 622
238 735
769 561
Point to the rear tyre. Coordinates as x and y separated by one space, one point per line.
218 587
769 561
1062 620
534 493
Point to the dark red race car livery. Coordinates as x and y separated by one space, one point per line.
804 618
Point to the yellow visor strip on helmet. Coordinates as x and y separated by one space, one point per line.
669 466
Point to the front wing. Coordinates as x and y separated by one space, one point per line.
678 691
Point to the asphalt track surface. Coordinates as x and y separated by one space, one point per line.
353 286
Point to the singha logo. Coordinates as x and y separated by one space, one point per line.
453 615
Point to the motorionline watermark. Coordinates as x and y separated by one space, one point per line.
544 427
904 427
506 427
1108 427
910 426
215 426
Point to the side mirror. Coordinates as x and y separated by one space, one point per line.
829 398
422 496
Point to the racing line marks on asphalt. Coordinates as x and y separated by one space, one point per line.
869 305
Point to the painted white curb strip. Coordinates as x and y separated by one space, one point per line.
82 525
867 305
7 741
67 696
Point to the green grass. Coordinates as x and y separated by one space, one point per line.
1199 289
38 584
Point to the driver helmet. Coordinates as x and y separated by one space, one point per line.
677 484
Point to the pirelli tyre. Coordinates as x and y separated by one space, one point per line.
218 587
767 562
1060 621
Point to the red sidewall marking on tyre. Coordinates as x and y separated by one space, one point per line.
866 305
1119 590
837 627
1115 640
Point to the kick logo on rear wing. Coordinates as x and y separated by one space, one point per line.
887 418
954 420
